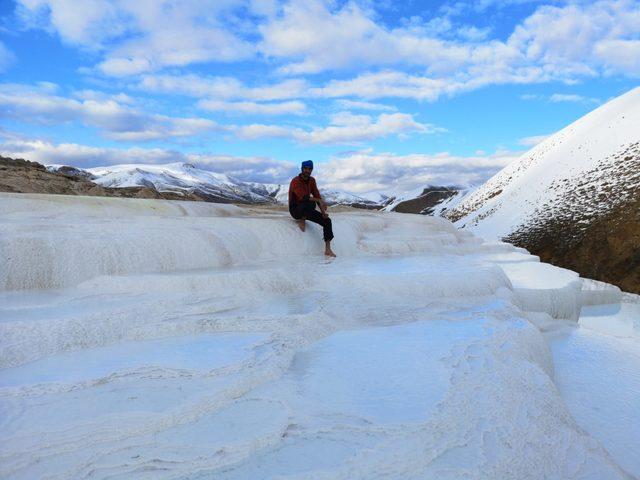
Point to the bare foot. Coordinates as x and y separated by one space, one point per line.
329 253
301 224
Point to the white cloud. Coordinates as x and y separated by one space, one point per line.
386 84
561 97
344 128
620 55
88 94
554 43
359 105
89 23
423 60
116 120
532 141
347 128
253 108
564 39
531 96
6 57
367 171
222 88
572 98
348 36
250 169
255 131
144 35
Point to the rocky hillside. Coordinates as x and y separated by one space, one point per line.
601 243
427 201
574 199
23 176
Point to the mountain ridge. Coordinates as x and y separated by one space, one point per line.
573 199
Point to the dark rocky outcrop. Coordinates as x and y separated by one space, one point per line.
426 202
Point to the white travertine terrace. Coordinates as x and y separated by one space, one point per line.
157 339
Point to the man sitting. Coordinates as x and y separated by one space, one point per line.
303 198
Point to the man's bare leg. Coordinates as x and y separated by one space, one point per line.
301 224
327 249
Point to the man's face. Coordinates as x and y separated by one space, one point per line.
306 172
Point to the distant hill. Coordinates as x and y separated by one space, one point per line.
23 176
174 181
425 201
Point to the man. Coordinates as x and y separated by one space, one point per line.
303 198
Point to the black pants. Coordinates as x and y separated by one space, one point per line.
308 210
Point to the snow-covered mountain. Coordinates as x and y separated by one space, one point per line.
572 196
182 178
583 169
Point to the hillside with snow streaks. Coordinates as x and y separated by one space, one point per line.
583 170
574 200
173 340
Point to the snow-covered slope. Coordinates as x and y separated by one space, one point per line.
161 340
185 177
577 174
177 177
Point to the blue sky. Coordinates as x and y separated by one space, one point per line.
383 96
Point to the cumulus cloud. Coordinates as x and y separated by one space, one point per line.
564 39
116 120
222 88
257 130
344 128
620 55
360 105
367 171
386 84
137 37
554 43
6 57
324 40
348 128
532 141
561 97
249 169
572 98
419 59
253 108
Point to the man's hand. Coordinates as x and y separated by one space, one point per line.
323 206
323 209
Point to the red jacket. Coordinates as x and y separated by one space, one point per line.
300 190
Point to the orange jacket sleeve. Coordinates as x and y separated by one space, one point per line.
292 195
314 188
